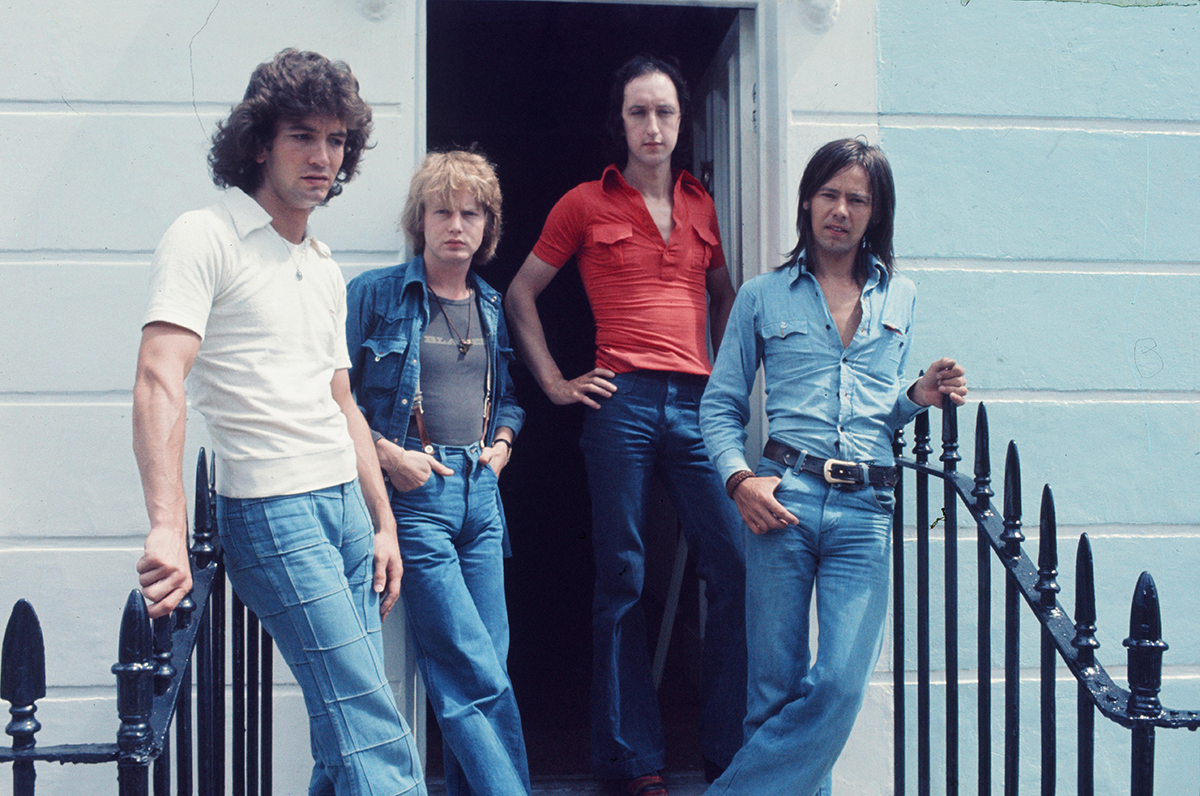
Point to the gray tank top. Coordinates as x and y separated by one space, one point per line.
453 380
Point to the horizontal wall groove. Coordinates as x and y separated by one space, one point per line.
67 106
57 399
1001 264
1080 124
1002 396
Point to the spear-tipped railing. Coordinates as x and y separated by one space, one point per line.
1071 640
157 663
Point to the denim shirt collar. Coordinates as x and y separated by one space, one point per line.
877 278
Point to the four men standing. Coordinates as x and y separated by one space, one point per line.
255 310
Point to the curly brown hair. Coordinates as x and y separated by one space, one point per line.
292 86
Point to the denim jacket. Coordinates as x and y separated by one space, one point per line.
386 315
822 398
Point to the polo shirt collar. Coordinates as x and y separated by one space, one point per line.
248 215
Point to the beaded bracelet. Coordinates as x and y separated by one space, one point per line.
736 480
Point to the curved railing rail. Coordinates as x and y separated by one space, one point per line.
1073 640
164 668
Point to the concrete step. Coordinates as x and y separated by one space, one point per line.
680 783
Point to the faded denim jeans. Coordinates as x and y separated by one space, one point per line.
799 716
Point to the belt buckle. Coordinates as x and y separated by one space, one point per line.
842 473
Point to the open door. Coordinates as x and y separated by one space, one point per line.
725 136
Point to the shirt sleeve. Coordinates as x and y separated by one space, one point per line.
185 273
906 408
725 407
563 233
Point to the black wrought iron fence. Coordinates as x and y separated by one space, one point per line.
164 668
167 667
1073 640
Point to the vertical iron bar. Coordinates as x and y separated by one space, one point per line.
237 629
135 692
218 663
1047 589
204 703
1085 641
983 554
1146 648
22 684
898 618
950 459
1012 538
185 613
164 670
252 703
922 450
162 769
268 691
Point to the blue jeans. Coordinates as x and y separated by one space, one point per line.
799 717
450 530
304 564
652 425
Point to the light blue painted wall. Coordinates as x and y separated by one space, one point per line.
1047 161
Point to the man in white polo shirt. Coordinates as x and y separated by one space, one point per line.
254 309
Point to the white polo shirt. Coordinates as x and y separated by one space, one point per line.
271 316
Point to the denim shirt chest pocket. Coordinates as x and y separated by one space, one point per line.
891 339
787 345
387 350
609 242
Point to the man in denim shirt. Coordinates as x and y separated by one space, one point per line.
832 330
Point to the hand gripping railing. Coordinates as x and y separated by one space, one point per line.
1072 640
154 673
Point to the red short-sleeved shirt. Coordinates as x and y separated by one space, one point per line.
649 298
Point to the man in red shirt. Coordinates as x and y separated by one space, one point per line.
649 253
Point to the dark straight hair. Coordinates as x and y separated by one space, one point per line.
827 162
614 126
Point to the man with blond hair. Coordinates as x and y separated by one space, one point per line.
429 352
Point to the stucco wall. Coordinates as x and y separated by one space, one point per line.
105 113
1046 158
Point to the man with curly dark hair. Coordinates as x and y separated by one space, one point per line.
252 309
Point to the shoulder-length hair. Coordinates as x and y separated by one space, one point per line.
292 86
438 178
827 162
614 125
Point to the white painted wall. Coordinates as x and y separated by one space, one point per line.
105 113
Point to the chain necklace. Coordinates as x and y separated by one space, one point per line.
464 343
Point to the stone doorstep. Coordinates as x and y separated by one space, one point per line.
684 783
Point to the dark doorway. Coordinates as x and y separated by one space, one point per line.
528 83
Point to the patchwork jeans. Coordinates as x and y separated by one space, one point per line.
304 564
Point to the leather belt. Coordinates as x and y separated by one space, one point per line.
851 475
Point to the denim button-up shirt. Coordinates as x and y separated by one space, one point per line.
822 398
387 311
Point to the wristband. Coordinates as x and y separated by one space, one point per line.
736 480
498 440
